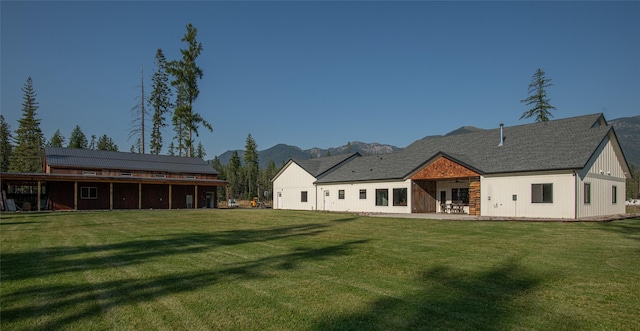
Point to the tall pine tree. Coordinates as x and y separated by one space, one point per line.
541 109
251 167
235 176
186 74
160 101
27 154
5 145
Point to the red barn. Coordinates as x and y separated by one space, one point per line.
82 179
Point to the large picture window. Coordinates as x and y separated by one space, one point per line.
460 195
542 193
400 196
382 197
88 192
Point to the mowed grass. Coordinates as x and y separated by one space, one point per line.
288 270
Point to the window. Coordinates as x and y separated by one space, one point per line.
303 196
89 173
542 193
400 196
160 176
128 174
88 192
363 194
190 177
460 195
382 197
614 194
341 194
587 192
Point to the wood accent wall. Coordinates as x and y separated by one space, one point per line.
443 168
474 196
423 196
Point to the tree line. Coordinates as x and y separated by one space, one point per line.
246 179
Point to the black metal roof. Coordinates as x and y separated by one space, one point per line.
95 159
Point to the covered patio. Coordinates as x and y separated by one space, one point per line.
447 187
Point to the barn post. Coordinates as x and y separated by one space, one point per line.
170 196
195 203
139 195
110 195
75 195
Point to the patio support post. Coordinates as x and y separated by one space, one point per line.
75 195
139 195
195 202
170 196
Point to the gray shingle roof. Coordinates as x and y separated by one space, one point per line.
317 167
94 159
553 145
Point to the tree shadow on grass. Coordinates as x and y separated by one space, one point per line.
55 260
68 303
450 299
627 228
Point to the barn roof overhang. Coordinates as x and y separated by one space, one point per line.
47 177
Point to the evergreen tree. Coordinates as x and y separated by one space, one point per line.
266 175
57 140
160 101
200 152
538 98
251 166
234 176
186 74
5 145
78 139
179 127
222 174
27 154
106 144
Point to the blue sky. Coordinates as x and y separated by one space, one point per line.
321 74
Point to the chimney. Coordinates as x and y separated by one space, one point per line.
501 135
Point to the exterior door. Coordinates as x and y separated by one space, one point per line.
209 199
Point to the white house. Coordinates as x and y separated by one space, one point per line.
568 168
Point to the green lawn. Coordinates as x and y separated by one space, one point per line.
286 270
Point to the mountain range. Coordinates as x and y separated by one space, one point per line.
627 129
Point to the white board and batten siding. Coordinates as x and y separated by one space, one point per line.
330 198
511 195
288 188
605 177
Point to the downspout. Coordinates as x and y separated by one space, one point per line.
575 195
